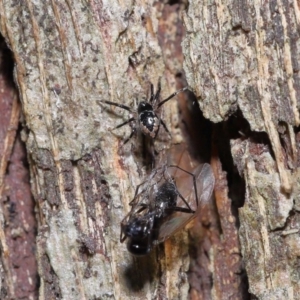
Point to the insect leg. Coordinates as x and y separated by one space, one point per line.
143 207
154 172
122 235
131 203
181 209
123 226
194 181
185 202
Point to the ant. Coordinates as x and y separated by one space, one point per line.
155 211
146 117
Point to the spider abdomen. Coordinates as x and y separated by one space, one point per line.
149 123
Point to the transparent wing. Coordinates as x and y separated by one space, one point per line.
204 180
179 156
205 184
174 223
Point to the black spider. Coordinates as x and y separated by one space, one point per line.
147 117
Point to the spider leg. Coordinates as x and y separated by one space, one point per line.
158 90
131 135
165 127
117 104
151 93
170 97
126 122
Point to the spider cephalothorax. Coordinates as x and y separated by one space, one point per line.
147 117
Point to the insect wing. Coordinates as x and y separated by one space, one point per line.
187 184
204 185
174 223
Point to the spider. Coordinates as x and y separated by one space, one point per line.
146 118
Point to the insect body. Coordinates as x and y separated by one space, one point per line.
164 204
147 117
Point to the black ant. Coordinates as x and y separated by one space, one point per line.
146 118
156 213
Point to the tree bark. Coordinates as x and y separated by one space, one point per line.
70 55
243 57
18 225
240 60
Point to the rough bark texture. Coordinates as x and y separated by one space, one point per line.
70 55
19 276
243 58
240 59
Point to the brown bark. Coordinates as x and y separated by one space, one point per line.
243 57
240 59
68 57
18 226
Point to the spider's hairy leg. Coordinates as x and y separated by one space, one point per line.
151 93
158 90
126 122
117 104
131 135
165 127
170 97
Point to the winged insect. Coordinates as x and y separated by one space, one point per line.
167 201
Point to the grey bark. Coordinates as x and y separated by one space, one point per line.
69 55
